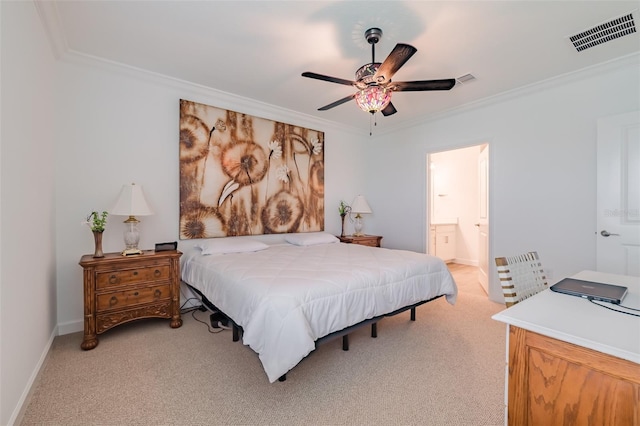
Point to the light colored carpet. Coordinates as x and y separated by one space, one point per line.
446 368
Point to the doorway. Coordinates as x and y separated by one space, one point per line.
458 214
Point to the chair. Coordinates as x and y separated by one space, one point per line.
521 277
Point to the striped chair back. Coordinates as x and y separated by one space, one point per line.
520 276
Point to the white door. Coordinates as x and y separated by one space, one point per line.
618 190
483 218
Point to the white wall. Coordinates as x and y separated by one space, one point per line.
542 179
116 125
27 256
109 125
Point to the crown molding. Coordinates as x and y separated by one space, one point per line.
48 12
588 72
200 93
50 18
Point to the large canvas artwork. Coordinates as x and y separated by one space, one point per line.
245 175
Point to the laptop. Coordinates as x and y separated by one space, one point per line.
591 290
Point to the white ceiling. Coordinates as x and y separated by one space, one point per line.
258 49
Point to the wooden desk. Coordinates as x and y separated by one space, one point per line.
570 362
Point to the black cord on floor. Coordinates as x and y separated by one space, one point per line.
184 310
615 310
211 329
201 308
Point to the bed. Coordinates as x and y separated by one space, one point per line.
287 296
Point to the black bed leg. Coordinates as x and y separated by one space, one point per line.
345 342
282 378
236 334
413 314
374 329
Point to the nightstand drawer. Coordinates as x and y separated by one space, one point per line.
363 240
132 276
371 242
136 296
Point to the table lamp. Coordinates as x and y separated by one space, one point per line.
359 207
131 202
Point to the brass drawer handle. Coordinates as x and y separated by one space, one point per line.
157 273
113 279
113 300
157 293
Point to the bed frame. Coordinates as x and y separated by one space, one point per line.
344 333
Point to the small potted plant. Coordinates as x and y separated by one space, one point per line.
344 210
97 222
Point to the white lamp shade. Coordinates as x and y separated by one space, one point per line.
360 205
131 202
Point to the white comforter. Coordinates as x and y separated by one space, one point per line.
286 297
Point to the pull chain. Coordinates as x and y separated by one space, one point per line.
373 121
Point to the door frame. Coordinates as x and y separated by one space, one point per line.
427 203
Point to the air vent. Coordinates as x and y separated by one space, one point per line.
604 32
465 78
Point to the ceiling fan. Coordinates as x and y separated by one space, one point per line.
373 80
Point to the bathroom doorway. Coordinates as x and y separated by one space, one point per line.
458 213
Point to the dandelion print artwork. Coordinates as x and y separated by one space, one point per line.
245 175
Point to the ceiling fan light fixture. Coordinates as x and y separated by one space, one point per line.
373 80
373 98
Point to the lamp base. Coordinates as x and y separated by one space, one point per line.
357 226
131 237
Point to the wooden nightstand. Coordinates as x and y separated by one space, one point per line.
119 289
363 240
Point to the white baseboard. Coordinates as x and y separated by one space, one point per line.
23 402
70 327
468 262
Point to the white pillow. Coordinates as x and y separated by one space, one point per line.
230 245
310 238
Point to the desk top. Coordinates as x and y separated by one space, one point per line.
576 320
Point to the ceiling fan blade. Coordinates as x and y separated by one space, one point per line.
328 78
422 85
338 102
397 58
389 109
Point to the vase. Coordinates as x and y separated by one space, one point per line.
342 232
97 238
